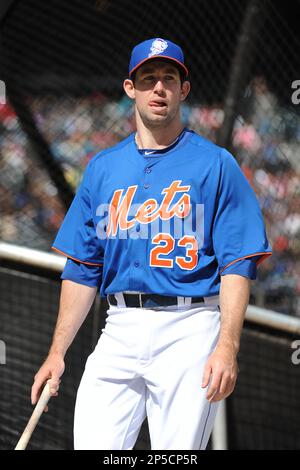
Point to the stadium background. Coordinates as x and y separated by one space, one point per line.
63 64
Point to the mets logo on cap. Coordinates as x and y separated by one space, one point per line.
157 47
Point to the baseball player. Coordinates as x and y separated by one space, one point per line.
168 228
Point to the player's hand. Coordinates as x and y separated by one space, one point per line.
50 372
220 374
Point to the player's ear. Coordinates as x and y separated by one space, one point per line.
129 88
185 89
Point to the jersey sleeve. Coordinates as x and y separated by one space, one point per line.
238 228
77 238
245 267
86 274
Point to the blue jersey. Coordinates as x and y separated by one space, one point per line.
168 223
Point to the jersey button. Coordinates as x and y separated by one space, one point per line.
148 170
136 264
146 186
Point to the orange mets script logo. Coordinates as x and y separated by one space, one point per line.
149 210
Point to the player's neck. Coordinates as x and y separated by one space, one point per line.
157 138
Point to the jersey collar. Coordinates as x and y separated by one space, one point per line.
156 152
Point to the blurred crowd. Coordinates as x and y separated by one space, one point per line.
266 143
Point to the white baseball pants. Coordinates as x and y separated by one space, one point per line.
148 363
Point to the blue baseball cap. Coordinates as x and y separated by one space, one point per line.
155 49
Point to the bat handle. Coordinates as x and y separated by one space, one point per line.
38 410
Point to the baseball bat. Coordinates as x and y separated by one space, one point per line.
38 410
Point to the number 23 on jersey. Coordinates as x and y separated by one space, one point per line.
161 254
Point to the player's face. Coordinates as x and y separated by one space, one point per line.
158 92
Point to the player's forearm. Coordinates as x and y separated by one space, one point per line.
234 299
75 303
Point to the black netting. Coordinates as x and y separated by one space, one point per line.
29 308
264 411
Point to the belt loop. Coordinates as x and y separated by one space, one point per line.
187 301
140 300
180 301
120 299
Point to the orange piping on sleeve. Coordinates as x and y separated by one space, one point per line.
75 259
265 255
